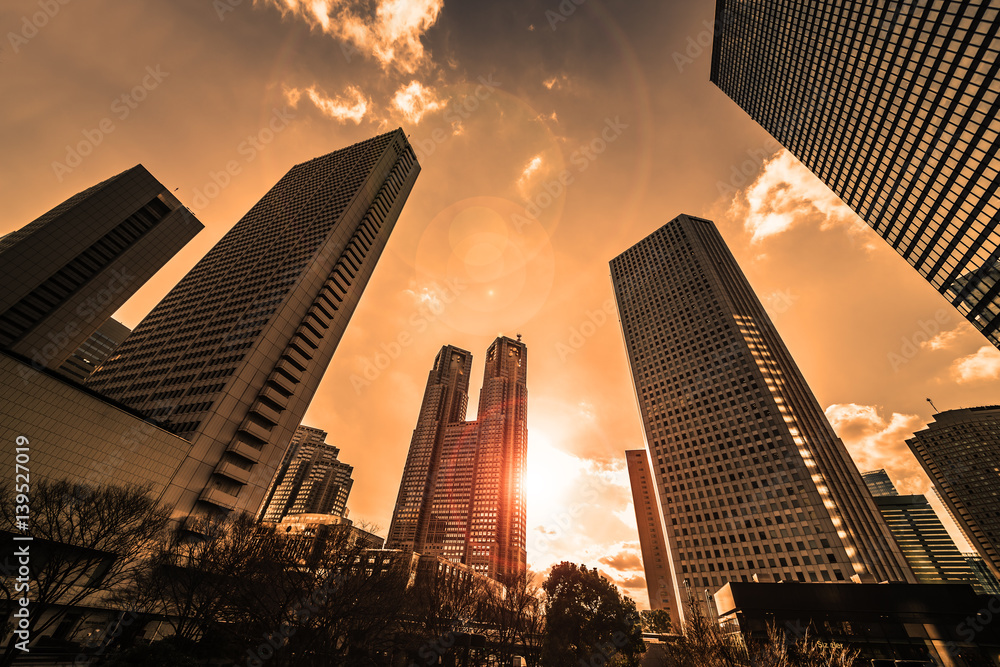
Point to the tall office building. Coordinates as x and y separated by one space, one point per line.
656 562
878 483
462 494
752 478
926 545
960 452
310 480
232 356
988 582
92 353
892 105
65 273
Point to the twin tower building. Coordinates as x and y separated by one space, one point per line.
200 400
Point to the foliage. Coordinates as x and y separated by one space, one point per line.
705 644
656 620
587 619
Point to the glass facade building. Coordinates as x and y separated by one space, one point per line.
310 480
894 106
65 273
231 358
921 536
462 494
960 452
752 479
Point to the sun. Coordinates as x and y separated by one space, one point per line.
551 476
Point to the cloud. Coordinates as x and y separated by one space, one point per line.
943 340
623 560
984 364
876 442
352 106
787 194
391 34
415 100
530 170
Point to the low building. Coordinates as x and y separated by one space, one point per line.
892 621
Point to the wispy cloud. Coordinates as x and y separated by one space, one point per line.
984 364
943 340
415 100
390 34
529 172
351 106
787 194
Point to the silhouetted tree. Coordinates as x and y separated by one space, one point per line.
706 644
513 611
656 620
586 618
85 542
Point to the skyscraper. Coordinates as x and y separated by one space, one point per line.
92 353
878 483
926 545
65 273
960 452
462 493
752 478
232 356
310 479
892 105
656 562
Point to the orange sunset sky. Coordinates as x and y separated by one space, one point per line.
597 117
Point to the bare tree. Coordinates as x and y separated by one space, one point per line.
514 612
85 542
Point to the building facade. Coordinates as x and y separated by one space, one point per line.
656 562
960 452
232 356
878 483
752 479
65 273
923 539
92 353
462 494
80 436
893 106
310 480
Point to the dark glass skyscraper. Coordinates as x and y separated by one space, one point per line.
921 536
960 452
894 106
65 273
752 478
232 356
462 493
